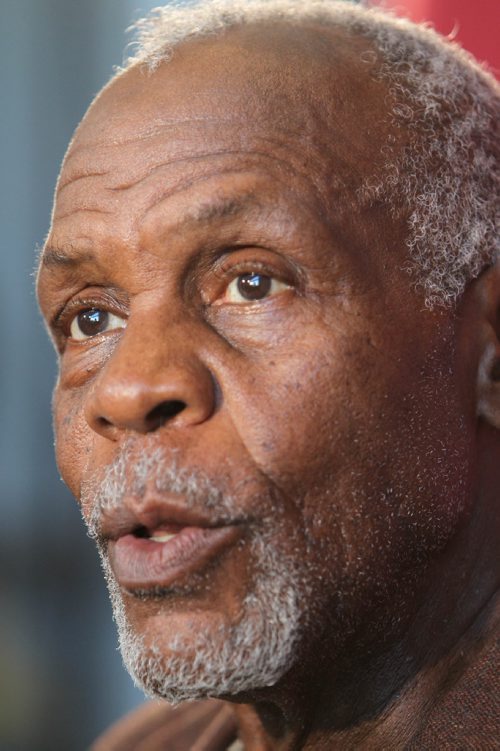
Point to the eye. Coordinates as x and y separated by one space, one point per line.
252 287
93 321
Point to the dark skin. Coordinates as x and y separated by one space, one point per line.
375 419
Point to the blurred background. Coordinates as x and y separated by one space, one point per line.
61 679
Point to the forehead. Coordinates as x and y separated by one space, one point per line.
303 92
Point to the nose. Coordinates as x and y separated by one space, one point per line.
145 385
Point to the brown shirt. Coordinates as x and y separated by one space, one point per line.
194 726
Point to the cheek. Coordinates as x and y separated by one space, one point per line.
304 430
73 438
371 450
297 412
270 423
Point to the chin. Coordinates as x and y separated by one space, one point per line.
179 653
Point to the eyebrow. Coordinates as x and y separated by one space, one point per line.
55 257
210 212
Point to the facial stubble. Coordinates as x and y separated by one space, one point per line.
233 656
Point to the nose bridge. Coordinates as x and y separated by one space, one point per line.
154 376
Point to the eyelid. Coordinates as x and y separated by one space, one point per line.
228 267
246 260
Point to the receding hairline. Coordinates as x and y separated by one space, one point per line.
258 31
322 45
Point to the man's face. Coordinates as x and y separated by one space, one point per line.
265 428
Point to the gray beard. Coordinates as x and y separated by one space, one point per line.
254 652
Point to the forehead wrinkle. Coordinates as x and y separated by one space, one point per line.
219 208
184 184
177 161
151 134
149 131
81 210
288 143
76 177
210 211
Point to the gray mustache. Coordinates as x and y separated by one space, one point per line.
134 472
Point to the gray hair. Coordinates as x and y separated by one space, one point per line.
447 178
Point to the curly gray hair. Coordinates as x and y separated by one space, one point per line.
447 178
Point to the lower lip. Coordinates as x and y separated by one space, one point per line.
141 563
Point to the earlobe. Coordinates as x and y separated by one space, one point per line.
488 377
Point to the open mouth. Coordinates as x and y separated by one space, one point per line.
148 558
163 533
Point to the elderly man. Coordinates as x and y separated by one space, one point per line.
271 279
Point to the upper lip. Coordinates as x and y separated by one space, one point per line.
150 512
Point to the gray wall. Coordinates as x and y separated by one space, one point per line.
61 679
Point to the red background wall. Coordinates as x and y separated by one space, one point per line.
476 23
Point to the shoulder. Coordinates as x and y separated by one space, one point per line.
468 714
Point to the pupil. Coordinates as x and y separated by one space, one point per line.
254 286
92 321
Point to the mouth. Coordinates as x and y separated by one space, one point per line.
154 555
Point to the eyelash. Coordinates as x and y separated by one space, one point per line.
225 273
63 318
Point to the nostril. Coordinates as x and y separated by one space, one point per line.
164 412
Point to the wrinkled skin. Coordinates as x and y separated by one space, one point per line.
339 391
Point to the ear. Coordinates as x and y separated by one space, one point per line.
488 377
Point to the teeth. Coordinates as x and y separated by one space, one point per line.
163 536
